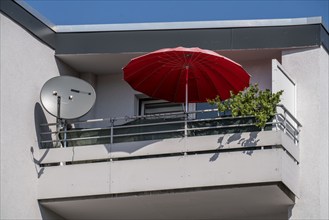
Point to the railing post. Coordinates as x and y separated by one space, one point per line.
285 121
111 130
62 130
58 127
276 122
64 133
297 135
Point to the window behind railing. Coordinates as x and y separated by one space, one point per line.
153 106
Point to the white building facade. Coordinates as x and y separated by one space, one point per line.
224 174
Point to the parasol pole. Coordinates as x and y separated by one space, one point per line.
186 88
186 99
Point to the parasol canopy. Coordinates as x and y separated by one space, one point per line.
185 75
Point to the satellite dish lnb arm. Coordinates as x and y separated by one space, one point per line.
78 91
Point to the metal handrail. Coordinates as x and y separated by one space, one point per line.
286 111
157 132
283 124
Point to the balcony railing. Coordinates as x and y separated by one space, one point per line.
160 126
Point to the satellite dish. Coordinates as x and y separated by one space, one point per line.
67 97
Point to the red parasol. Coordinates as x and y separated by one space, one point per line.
185 74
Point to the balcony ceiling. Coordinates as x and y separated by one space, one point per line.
111 63
247 202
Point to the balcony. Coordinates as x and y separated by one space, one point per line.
171 166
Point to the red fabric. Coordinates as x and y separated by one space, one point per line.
161 74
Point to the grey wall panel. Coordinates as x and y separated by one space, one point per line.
276 37
215 39
141 41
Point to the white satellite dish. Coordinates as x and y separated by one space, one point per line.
67 97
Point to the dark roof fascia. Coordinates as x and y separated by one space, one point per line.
240 38
29 22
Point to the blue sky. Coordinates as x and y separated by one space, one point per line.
68 12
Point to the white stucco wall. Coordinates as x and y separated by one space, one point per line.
115 98
260 71
310 69
26 64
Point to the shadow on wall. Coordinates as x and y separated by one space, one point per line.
48 214
37 162
64 69
236 137
40 118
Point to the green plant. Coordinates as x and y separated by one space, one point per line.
250 102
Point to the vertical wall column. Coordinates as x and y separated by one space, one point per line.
309 67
